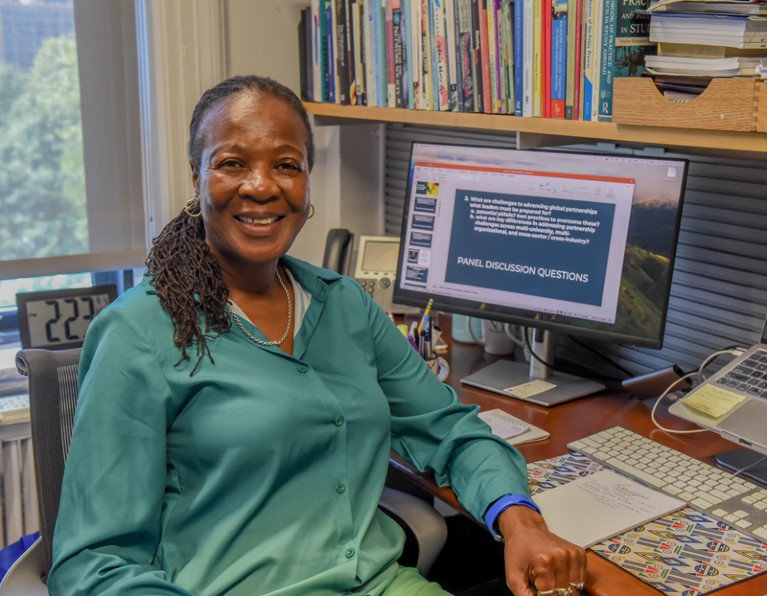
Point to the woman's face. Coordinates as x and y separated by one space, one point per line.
253 179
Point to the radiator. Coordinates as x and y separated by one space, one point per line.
18 510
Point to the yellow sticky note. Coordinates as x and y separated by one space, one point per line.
529 389
712 400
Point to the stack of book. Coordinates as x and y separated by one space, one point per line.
535 58
701 38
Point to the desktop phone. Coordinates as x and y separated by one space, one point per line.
376 269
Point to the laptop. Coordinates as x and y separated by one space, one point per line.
733 401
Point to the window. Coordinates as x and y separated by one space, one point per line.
70 163
70 155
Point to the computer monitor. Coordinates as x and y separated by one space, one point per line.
562 241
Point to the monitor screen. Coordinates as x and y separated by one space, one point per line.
559 240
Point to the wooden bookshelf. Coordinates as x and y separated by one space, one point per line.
540 132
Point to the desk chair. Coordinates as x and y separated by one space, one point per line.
52 400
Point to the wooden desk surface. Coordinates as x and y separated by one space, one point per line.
570 421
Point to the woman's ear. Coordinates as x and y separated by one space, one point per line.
195 180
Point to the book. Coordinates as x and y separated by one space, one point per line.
607 61
537 92
316 50
716 67
596 42
427 79
330 78
587 86
370 47
476 63
739 31
484 52
510 428
732 7
507 45
632 38
572 67
398 54
527 57
439 51
451 55
493 53
465 56
546 57
358 45
559 57
600 505
305 54
415 55
518 54
342 34
698 51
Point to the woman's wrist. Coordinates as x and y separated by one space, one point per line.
501 505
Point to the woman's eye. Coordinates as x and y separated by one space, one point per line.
289 166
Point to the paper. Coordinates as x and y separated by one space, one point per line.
712 400
600 505
504 425
511 428
529 389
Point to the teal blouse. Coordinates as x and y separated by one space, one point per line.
261 473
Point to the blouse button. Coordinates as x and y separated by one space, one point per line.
339 421
340 488
350 553
302 368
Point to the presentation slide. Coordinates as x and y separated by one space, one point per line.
547 247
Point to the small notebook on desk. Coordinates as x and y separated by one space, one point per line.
511 428
601 505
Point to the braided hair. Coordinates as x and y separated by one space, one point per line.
183 270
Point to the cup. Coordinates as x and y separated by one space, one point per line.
464 327
494 338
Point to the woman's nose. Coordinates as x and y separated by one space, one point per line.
259 184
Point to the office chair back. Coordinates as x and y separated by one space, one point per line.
52 400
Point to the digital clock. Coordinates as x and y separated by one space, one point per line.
58 319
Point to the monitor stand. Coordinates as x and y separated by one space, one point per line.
535 382
738 459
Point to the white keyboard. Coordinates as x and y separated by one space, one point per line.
739 503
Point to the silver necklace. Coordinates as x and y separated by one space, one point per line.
274 342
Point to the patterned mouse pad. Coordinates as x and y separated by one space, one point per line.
685 552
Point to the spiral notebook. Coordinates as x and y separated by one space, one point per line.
511 428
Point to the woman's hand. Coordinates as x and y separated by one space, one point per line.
537 558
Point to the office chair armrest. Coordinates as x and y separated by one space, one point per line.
24 578
426 524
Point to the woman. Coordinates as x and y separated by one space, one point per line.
238 407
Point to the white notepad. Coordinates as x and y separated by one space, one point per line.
511 428
600 505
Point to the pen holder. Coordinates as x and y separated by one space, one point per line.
439 366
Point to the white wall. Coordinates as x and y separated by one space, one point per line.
261 37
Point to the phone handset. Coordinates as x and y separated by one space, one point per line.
338 248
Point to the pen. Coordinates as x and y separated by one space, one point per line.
412 334
425 317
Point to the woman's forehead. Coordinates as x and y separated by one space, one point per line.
256 113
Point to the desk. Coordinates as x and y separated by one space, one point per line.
566 423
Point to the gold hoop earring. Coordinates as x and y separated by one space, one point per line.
188 208
311 211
